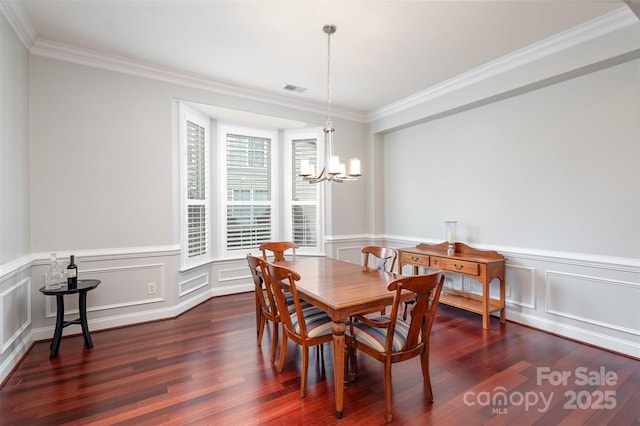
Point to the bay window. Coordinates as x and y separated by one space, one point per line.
254 193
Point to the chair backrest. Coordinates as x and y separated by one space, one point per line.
258 267
278 248
384 256
427 290
277 278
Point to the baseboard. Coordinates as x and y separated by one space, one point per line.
603 341
13 358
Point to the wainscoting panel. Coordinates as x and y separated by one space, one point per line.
120 287
192 284
582 298
233 272
520 286
350 254
451 281
231 277
473 286
15 310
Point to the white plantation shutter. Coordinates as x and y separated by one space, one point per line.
248 191
304 196
197 230
197 190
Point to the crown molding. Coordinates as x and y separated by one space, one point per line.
598 27
96 59
634 5
18 20
608 23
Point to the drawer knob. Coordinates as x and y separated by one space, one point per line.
415 258
458 267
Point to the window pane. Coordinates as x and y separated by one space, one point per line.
304 149
304 210
249 220
197 230
305 225
195 161
248 166
248 226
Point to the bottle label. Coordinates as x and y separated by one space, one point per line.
71 273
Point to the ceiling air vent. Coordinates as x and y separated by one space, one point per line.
293 88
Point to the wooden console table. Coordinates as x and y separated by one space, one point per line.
483 265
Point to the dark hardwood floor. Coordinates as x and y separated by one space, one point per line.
204 367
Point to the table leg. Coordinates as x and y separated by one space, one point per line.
338 328
485 306
503 317
57 335
258 313
83 319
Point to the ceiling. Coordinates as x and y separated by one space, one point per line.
382 52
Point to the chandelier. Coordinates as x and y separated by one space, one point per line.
332 170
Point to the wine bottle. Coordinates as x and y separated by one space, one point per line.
72 274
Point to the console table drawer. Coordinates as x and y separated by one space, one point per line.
454 265
414 259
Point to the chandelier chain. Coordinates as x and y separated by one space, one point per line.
329 79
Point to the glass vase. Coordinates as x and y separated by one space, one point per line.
451 236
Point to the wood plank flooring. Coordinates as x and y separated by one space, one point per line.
204 368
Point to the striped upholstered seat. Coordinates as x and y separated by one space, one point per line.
376 338
290 304
317 321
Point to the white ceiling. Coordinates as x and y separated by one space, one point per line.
382 52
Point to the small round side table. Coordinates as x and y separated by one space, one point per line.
82 288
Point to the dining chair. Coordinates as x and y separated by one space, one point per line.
383 258
266 306
265 303
277 248
307 325
390 339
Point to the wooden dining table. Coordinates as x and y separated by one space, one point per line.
341 289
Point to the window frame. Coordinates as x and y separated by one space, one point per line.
287 191
187 113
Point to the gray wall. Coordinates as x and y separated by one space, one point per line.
102 159
554 169
15 210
